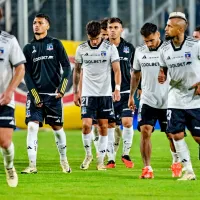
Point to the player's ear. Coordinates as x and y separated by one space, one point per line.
158 34
48 27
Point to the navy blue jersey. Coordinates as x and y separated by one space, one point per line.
126 53
45 57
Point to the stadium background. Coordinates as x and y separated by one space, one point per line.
68 20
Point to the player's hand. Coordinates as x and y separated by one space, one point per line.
5 98
161 77
59 95
77 99
116 95
39 105
131 103
139 92
196 86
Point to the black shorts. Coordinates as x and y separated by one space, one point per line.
51 111
7 119
121 109
97 107
148 115
178 119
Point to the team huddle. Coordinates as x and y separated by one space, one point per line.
106 76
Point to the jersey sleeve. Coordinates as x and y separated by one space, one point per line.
28 78
114 54
64 61
162 60
16 56
136 63
78 57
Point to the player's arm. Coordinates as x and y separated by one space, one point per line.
6 96
30 84
64 61
80 83
76 86
162 76
117 75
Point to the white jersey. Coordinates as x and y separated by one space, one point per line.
96 65
183 70
153 94
11 56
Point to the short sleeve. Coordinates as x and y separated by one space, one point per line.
162 60
78 57
136 63
16 56
114 54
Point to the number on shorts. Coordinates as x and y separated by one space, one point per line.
84 101
169 115
28 104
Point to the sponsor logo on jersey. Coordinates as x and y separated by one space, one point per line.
34 50
103 53
150 64
49 47
180 64
93 61
168 58
123 58
187 55
126 49
1 50
42 58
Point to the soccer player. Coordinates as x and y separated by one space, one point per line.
95 57
11 74
180 61
153 102
196 33
45 55
123 114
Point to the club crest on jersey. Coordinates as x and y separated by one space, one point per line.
34 50
187 55
49 47
1 50
103 53
126 49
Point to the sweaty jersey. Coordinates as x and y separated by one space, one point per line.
45 57
126 53
11 56
96 64
153 94
183 70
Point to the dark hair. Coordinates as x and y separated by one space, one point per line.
93 28
147 29
114 20
41 15
197 28
104 23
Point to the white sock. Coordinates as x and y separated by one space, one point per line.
111 141
8 155
127 136
175 157
103 142
184 154
87 141
95 137
60 139
32 142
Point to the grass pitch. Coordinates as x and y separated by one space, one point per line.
113 184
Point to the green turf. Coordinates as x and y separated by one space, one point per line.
119 183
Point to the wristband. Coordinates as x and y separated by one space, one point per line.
117 87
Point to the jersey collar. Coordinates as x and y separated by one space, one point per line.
96 46
179 48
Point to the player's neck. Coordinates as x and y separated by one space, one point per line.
115 41
178 40
40 36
